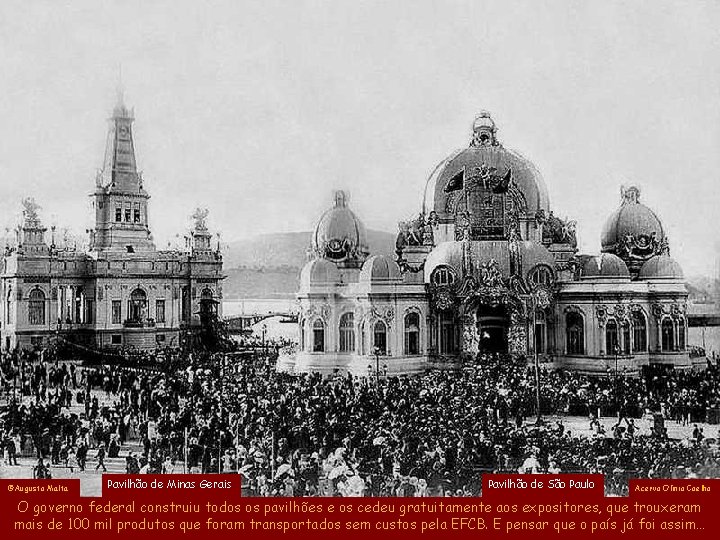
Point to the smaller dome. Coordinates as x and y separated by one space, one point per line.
605 265
633 222
661 267
319 272
380 268
340 235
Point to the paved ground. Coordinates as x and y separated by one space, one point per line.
580 426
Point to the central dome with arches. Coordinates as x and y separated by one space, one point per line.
487 267
461 181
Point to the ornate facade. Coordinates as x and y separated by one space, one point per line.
122 292
487 267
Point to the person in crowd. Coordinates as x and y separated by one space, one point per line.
346 435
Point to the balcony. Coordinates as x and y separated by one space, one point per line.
133 323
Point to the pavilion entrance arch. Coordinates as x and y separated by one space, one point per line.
494 322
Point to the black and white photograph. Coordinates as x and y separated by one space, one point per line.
354 249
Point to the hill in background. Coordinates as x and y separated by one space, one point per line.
268 265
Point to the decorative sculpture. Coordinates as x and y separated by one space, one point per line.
556 230
490 275
200 216
30 208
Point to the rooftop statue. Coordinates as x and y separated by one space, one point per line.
30 209
200 217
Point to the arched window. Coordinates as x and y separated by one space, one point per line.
540 275
36 307
575 333
412 334
639 332
185 301
208 305
137 307
347 333
318 336
681 334
612 346
380 337
79 305
626 337
540 332
668 337
8 306
443 275
447 333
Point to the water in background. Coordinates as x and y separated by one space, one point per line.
274 328
259 306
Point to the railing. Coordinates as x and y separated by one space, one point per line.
131 323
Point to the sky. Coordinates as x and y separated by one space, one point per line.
257 110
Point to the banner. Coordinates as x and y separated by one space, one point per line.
512 506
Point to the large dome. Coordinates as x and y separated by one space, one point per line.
340 235
634 224
484 154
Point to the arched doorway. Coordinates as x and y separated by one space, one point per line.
493 323
208 305
137 306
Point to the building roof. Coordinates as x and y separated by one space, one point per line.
380 268
632 220
319 272
339 234
605 265
661 267
533 254
485 152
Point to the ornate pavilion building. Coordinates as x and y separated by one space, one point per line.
488 268
122 292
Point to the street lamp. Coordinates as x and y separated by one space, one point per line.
22 378
540 299
264 331
617 402
376 352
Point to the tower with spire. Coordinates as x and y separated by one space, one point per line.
121 291
121 219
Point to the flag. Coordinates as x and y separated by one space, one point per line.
456 182
504 184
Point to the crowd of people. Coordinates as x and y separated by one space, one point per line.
305 435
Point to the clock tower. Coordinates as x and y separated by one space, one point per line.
121 220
